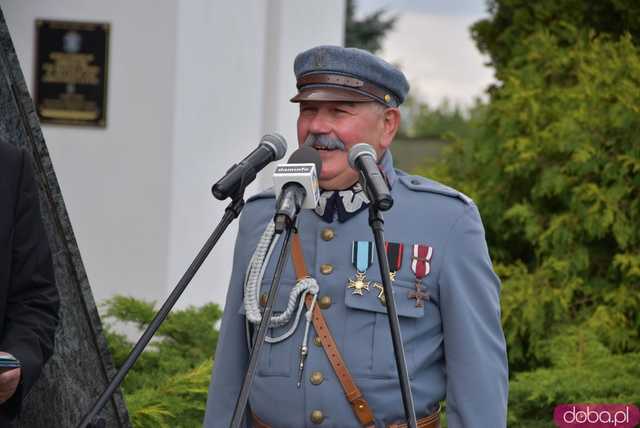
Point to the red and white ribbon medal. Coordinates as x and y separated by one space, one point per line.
421 266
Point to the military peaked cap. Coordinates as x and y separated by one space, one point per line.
334 73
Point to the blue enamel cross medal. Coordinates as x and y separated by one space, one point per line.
361 257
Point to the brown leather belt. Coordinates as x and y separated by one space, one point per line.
431 421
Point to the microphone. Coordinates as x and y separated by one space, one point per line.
296 186
272 147
362 157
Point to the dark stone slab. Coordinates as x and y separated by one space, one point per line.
81 365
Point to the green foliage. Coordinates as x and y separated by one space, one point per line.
178 402
504 35
553 163
167 387
556 174
368 32
610 379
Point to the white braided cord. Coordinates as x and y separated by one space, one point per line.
253 280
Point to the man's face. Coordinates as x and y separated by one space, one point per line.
333 127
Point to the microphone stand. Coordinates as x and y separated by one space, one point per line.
231 212
376 222
241 404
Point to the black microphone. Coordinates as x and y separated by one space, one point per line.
362 157
272 147
296 186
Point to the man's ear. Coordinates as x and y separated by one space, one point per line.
391 118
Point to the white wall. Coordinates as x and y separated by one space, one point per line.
302 25
116 180
193 84
218 120
235 79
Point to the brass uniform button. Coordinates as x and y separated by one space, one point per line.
263 299
324 302
316 378
317 341
317 417
326 268
327 234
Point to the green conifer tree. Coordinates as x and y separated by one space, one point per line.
366 33
554 166
167 387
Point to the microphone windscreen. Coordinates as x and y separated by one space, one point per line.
307 155
359 150
277 143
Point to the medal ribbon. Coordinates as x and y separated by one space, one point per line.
394 255
421 256
362 255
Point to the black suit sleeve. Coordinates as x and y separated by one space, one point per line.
31 314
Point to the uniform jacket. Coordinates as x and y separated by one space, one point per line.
28 296
454 345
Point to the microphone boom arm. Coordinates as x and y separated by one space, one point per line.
376 221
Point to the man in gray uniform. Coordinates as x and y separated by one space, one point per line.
446 292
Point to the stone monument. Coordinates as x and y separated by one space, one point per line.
81 365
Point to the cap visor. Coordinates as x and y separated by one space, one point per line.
330 94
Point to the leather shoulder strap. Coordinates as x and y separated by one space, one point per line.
297 257
358 403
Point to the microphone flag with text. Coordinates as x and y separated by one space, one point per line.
362 158
272 147
296 186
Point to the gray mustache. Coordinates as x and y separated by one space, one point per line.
324 141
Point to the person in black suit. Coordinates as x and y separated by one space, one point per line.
28 294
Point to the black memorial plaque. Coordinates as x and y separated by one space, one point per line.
81 365
71 72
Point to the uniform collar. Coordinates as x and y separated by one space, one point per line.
344 204
386 166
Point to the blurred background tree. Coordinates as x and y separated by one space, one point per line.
553 162
503 36
366 33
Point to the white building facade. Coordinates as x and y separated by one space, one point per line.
192 86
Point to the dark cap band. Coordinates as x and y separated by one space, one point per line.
356 85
